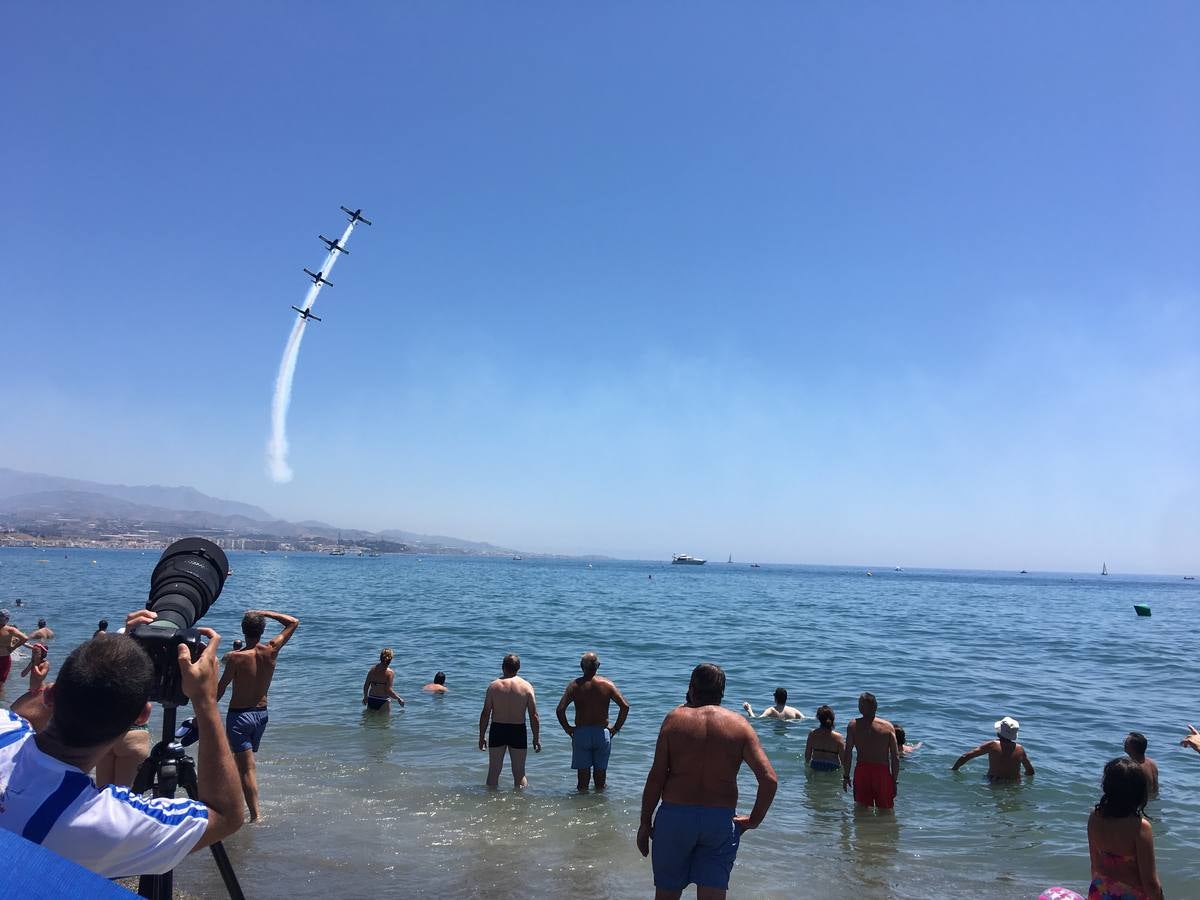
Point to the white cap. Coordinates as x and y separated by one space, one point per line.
1007 728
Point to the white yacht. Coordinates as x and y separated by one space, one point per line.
682 559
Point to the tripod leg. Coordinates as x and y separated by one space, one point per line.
187 779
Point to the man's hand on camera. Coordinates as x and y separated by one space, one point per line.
139 617
199 678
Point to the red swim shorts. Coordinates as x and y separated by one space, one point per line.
5 668
874 785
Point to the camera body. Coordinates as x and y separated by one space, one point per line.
185 583
161 640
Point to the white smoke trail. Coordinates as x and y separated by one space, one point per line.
277 446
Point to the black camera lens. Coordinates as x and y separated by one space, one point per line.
188 578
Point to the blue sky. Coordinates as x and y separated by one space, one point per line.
915 286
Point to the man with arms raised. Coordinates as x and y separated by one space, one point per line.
101 691
878 769
591 738
507 700
697 830
251 671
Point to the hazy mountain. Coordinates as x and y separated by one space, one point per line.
14 483
437 540
72 506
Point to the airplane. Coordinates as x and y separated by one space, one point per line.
316 277
333 245
355 215
305 314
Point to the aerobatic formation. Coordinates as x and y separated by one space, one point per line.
277 446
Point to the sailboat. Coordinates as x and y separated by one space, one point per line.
1103 568
730 559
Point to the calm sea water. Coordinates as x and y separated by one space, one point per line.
359 803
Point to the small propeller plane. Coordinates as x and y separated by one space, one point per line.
355 215
316 277
305 314
333 245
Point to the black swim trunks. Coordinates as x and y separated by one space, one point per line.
503 734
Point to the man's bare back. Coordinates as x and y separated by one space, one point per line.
705 747
509 698
251 670
591 697
873 737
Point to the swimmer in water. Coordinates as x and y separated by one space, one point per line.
438 685
377 689
905 748
1005 755
823 749
779 711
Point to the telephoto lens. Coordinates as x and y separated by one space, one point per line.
188 578
185 583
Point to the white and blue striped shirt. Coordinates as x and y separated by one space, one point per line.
110 831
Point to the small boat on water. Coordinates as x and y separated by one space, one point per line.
755 566
337 551
1189 577
682 559
1103 568
518 558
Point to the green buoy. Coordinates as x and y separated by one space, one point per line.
1143 609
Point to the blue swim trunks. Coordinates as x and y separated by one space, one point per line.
590 746
245 727
693 845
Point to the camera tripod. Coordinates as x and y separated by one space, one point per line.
166 768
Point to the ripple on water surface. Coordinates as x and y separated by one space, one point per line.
358 802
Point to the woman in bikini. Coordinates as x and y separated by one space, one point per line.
823 749
377 689
1120 839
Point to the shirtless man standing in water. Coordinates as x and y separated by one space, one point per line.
508 698
878 769
251 671
697 831
591 737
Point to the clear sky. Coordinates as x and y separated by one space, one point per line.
911 285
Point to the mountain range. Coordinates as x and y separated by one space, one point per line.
27 498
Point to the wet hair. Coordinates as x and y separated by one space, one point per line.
707 686
590 662
385 655
825 716
867 701
1126 789
439 678
238 644
41 623
511 664
901 737
252 627
101 689
103 626
1137 743
781 695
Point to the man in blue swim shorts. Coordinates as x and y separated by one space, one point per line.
591 736
697 830
250 671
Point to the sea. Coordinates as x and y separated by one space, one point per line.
359 804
